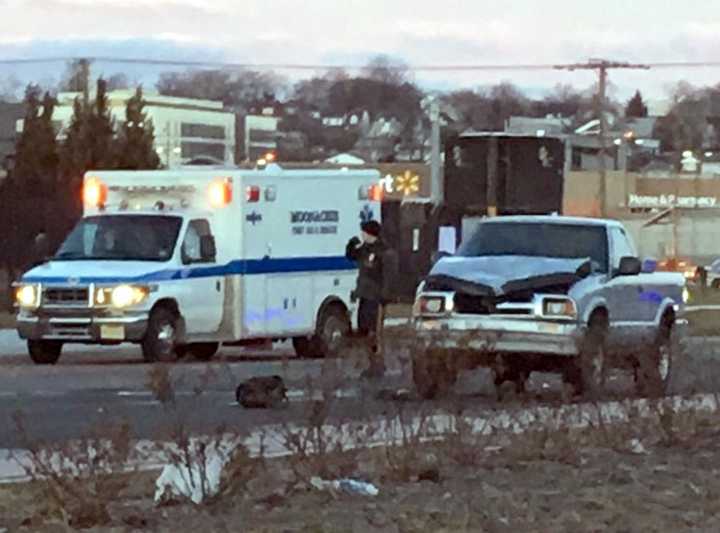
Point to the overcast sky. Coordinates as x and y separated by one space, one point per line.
350 31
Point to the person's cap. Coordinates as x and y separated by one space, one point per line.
371 227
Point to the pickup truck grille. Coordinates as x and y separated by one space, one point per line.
70 296
482 305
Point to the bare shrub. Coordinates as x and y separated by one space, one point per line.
83 477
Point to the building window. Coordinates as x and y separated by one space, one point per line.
202 131
191 150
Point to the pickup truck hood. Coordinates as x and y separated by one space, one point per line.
497 275
82 272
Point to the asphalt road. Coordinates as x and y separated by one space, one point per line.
92 386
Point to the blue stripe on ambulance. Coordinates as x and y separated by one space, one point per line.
238 267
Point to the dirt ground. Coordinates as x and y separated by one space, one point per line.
598 480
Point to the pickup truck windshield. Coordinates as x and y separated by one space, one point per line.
122 238
567 241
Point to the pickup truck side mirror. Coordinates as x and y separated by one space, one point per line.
629 266
208 250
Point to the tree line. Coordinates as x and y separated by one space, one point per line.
42 193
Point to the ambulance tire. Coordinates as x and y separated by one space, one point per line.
333 329
44 352
159 345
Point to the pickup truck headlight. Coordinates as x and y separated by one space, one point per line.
27 296
563 307
121 296
432 305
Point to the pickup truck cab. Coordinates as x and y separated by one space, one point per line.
547 293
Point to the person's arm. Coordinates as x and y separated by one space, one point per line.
352 250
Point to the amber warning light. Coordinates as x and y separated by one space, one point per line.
375 193
94 192
220 193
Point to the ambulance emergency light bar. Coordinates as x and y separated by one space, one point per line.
219 193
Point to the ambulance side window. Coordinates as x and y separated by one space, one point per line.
191 249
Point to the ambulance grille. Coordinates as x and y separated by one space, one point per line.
71 296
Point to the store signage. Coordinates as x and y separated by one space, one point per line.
670 200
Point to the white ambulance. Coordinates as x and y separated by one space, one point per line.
181 261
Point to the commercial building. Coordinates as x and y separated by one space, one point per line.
186 129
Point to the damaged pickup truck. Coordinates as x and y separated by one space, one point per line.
550 294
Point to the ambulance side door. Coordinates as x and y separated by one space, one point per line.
202 304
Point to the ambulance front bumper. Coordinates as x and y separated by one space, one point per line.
88 327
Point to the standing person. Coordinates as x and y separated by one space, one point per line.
377 263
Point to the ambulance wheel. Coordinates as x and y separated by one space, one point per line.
159 344
332 331
44 352
202 351
305 347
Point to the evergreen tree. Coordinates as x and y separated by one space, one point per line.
100 132
34 178
135 149
636 107
36 154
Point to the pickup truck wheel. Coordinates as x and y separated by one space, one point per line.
333 329
654 368
587 372
514 375
433 375
44 352
202 351
159 344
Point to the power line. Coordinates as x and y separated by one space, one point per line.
315 67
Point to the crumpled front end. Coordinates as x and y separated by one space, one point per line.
494 310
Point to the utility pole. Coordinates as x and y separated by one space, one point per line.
602 66
436 185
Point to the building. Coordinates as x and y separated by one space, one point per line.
549 125
261 134
186 129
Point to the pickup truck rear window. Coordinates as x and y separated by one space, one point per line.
566 241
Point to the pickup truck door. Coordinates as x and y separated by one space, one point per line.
629 308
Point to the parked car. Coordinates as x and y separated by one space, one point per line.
547 293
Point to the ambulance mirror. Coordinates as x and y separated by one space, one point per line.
208 251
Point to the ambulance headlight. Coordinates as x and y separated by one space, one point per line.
27 296
121 296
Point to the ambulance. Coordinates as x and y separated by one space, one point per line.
182 261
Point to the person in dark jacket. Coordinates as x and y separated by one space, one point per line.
377 264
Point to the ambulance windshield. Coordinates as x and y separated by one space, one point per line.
122 238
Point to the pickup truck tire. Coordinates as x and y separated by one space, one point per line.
44 352
202 351
433 374
654 368
515 375
159 344
587 372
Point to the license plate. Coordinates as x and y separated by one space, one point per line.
549 328
112 333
